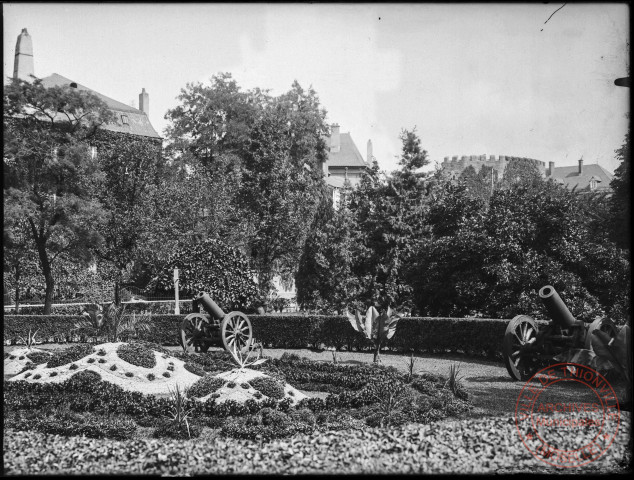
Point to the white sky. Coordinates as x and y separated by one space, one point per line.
473 78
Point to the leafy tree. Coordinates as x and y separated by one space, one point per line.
492 261
621 197
20 261
262 155
389 227
324 279
213 267
520 170
131 166
50 178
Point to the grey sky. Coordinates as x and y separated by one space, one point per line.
473 78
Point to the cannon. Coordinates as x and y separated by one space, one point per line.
528 347
199 331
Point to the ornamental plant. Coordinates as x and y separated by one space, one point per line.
375 326
29 341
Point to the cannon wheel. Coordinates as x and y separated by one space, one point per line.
522 330
191 333
604 325
236 331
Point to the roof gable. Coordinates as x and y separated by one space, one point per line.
348 154
571 178
137 122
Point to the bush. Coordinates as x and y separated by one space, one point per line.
195 369
70 355
170 429
166 374
68 424
113 367
39 357
137 354
150 376
473 336
268 386
206 385
102 360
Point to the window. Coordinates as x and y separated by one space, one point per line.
593 184
124 119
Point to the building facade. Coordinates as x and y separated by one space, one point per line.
581 178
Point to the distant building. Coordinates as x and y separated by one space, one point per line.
130 120
583 178
345 165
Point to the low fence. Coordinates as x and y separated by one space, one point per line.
473 336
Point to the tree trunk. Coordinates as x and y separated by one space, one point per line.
17 288
40 244
377 352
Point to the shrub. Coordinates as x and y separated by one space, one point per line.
170 368
129 374
206 385
113 367
151 376
102 360
73 424
231 385
73 367
101 352
257 394
11 357
37 376
27 375
39 357
91 360
303 415
252 428
168 429
268 416
21 357
69 355
245 385
166 374
268 386
137 354
195 369
53 374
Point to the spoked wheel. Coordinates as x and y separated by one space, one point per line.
604 325
521 331
192 333
236 332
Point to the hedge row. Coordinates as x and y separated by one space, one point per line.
482 337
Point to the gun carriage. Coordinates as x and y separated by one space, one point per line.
527 346
199 331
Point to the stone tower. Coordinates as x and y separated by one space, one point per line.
23 66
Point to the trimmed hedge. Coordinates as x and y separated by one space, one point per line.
473 336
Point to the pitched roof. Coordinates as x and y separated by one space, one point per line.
570 176
335 181
347 156
138 122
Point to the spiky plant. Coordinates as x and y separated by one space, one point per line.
454 380
93 321
243 360
179 413
411 367
29 341
377 327
118 324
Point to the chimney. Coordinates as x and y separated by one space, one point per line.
580 165
144 102
369 156
335 138
23 64
551 168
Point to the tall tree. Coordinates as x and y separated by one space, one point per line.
520 170
50 177
621 198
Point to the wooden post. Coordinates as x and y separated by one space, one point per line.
177 307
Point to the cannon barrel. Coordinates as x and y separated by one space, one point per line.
556 307
210 305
